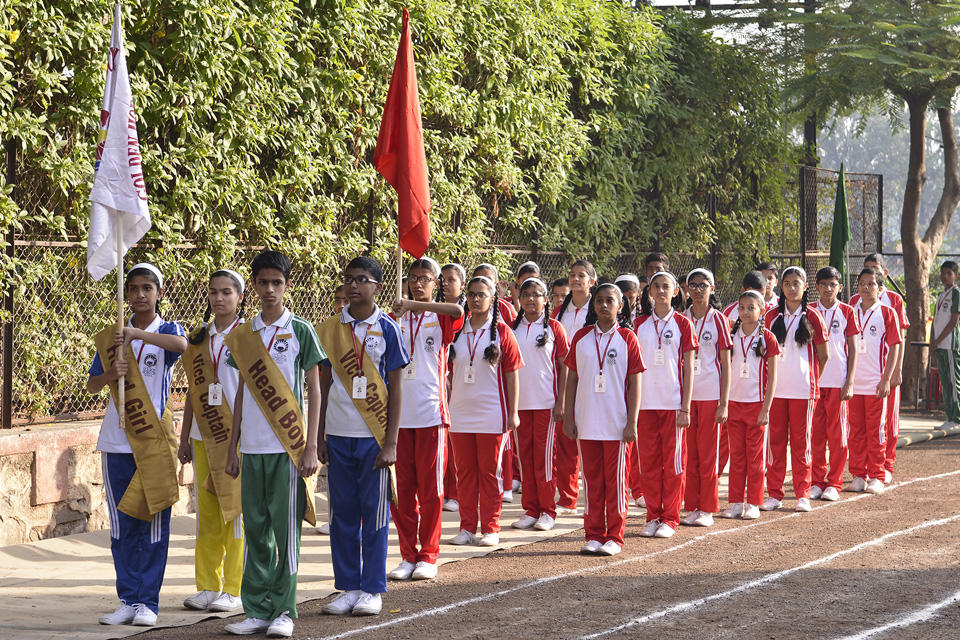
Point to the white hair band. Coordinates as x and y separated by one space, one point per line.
434 265
149 267
458 268
543 285
487 265
676 282
757 294
613 288
803 274
487 281
236 276
627 277
706 273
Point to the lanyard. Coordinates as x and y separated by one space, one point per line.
833 315
943 296
275 332
415 333
743 349
471 345
703 324
790 326
358 351
863 323
656 324
140 353
216 358
600 357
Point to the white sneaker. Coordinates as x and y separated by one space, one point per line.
341 605
651 529
544 523
689 518
641 502
803 505
451 505
424 571
858 485
750 512
887 477
247 627
489 540
201 601
770 504
816 492
464 537
703 520
144 617
403 571
369 604
124 614
591 548
281 627
733 511
874 486
226 602
609 548
830 494
567 511
324 529
508 496
525 522
665 531
517 486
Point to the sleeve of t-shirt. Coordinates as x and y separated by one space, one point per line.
769 318
510 358
561 344
571 359
171 329
635 363
724 340
891 327
96 368
449 327
901 311
771 346
311 352
395 355
688 341
507 312
819 326
955 302
853 325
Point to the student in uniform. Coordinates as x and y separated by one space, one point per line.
752 281
769 271
668 344
878 344
654 263
830 426
505 309
453 279
483 408
558 292
543 346
209 410
946 340
339 300
525 271
428 328
800 332
629 284
600 413
710 398
572 314
753 365
139 538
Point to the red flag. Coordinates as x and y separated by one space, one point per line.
399 156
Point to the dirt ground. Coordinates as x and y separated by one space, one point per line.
844 569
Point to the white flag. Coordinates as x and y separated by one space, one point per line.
119 195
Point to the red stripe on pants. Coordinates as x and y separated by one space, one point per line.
867 436
892 428
790 419
703 438
479 482
633 471
829 430
662 447
419 508
450 471
536 435
748 443
566 469
605 486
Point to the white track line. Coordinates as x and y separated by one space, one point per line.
770 577
919 616
436 611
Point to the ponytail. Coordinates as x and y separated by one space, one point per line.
201 333
564 305
492 353
759 348
542 340
804 331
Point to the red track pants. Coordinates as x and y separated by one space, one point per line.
723 456
748 445
868 436
479 480
703 444
829 431
536 434
566 469
892 424
421 458
663 453
450 472
605 483
633 471
791 420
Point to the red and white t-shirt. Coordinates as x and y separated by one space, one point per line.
427 336
732 310
879 330
615 354
671 336
890 299
573 317
507 313
713 336
841 323
538 377
798 370
748 384
481 406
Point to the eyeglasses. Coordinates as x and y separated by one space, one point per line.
477 296
698 287
418 279
530 296
360 280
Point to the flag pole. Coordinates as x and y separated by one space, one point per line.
121 355
399 271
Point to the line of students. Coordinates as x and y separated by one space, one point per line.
562 387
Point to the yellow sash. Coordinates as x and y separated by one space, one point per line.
275 398
154 486
337 341
215 423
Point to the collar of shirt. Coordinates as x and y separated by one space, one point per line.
665 318
836 305
283 321
755 333
876 304
525 322
786 312
346 318
212 327
468 326
599 332
152 327
574 307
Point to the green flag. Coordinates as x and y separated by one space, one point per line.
841 229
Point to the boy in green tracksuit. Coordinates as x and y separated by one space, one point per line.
946 340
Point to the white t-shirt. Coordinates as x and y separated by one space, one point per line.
948 303
890 299
752 387
673 336
427 337
603 416
573 318
229 377
538 376
156 367
841 323
712 332
879 330
798 367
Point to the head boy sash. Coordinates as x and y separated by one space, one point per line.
214 423
263 378
337 341
154 486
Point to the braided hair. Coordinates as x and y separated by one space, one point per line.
646 299
492 353
201 334
588 266
542 340
804 332
623 316
760 349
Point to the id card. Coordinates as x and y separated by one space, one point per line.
696 366
470 375
215 394
410 371
744 369
359 388
599 383
658 358
861 344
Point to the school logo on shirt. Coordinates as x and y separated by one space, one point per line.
281 347
707 336
668 336
372 342
836 326
873 329
429 344
612 355
150 364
